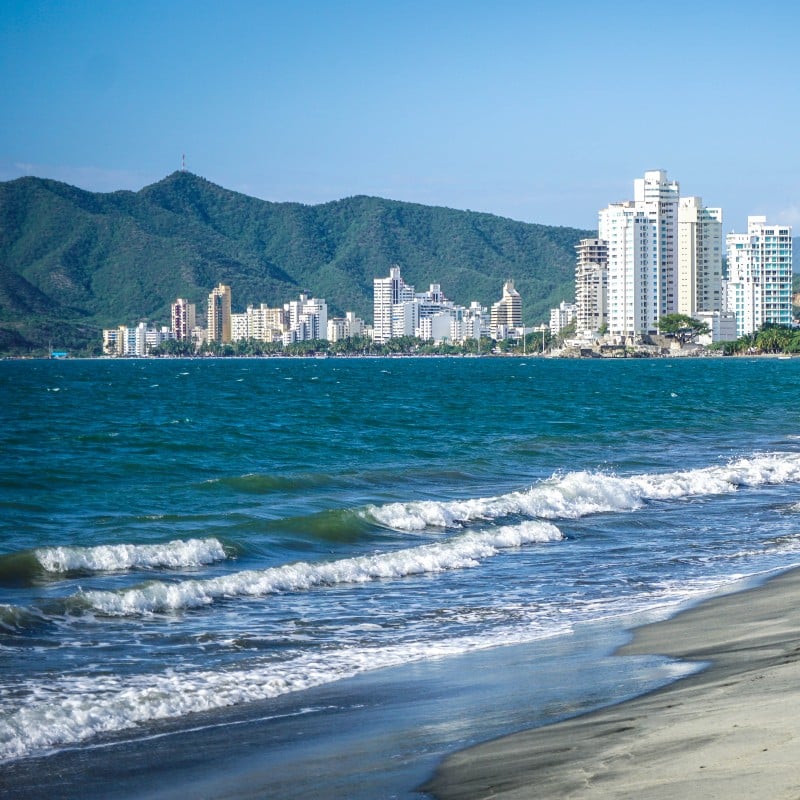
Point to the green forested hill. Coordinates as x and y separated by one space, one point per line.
73 262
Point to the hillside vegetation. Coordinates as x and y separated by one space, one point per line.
73 262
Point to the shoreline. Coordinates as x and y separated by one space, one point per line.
730 730
549 355
686 738
376 735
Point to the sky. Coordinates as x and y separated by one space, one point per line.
539 111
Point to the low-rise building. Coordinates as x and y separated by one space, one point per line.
562 317
134 340
721 326
347 327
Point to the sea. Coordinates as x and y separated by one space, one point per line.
316 577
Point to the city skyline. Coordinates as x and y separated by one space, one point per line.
532 113
427 315
655 257
661 254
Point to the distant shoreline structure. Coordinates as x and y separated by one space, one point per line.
426 356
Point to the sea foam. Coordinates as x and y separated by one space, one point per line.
71 709
458 552
578 494
119 557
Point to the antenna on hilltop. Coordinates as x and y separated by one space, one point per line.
183 162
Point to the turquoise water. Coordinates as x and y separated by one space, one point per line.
185 539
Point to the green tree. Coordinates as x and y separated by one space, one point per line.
682 327
774 338
174 347
535 342
567 332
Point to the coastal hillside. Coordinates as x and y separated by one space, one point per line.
73 262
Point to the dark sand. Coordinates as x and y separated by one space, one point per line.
731 730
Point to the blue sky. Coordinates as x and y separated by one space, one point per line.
543 112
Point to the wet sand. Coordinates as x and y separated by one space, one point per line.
372 737
730 730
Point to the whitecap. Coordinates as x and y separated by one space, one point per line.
578 494
118 557
71 709
459 552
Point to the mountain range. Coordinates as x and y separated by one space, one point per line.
73 262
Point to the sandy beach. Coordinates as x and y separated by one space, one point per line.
731 730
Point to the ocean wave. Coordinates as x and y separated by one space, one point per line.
459 552
333 525
578 494
16 618
73 709
120 557
19 569
788 544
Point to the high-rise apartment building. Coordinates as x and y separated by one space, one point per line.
759 284
262 323
400 311
219 314
660 197
112 341
307 319
699 257
267 324
642 255
387 293
591 285
506 312
475 321
184 317
633 273
134 340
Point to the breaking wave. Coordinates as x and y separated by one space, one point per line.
119 557
460 552
578 494
23 567
73 709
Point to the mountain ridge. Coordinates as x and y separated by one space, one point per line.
74 261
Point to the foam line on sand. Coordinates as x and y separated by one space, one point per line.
729 731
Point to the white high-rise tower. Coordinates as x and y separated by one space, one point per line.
642 255
387 293
759 284
699 257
